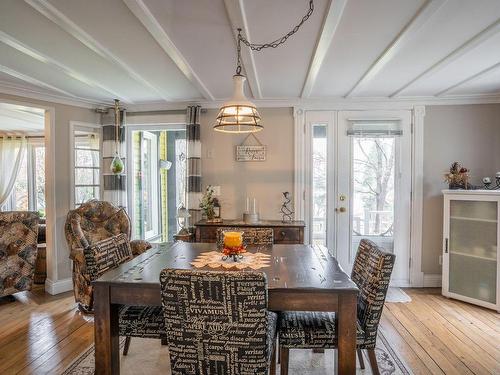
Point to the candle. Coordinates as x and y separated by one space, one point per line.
233 239
254 206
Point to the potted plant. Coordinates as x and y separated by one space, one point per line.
207 205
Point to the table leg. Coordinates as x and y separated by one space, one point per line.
107 345
346 363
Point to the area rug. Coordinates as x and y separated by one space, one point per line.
397 295
148 357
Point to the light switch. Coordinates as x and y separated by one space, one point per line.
210 153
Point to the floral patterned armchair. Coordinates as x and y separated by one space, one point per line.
94 221
18 250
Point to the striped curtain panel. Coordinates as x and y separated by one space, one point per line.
193 185
114 187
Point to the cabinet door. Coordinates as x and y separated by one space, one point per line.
471 248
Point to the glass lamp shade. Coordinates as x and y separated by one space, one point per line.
238 115
117 166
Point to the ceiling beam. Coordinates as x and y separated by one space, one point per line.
33 81
423 15
237 17
146 17
53 14
39 56
469 79
472 43
327 33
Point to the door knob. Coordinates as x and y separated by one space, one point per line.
340 209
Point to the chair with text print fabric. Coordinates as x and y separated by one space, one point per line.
217 322
134 321
251 236
306 330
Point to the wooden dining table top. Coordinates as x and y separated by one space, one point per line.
304 267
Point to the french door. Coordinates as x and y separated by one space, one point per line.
358 183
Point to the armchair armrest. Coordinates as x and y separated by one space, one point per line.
139 246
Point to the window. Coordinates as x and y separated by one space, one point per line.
86 163
158 169
28 193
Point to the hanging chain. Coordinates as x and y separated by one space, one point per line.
276 43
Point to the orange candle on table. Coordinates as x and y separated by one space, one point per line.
233 239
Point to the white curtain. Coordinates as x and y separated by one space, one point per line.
11 154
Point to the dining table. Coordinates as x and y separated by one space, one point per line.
299 277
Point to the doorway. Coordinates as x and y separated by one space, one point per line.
157 185
358 183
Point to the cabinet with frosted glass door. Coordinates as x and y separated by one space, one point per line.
471 236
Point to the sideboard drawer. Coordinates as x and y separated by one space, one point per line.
287 235
206 234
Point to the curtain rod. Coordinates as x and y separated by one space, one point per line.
20 136
162 112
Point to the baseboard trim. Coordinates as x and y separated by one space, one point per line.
59 286
432 280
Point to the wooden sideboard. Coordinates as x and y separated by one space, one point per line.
284 233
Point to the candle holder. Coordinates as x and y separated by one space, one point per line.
233 246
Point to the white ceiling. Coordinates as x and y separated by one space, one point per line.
176 51
20 119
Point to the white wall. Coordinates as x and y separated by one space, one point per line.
264 180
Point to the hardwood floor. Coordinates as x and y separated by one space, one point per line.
42 334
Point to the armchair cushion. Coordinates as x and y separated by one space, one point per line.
18 250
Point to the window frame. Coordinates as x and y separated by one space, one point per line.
89 127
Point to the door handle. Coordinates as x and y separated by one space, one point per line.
340 209
446 245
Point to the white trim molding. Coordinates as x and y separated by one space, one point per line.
57 287
416 274
299 170
431 280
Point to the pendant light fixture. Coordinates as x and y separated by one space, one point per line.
240 115
117 166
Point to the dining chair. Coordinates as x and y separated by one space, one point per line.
18 251
251 236
218 322
94 221
134 321
310 330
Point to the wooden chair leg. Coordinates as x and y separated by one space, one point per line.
272 369
373 361
284 361
127 345
360 358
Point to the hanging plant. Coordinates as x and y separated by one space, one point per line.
117 165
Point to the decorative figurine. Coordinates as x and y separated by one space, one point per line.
458 177
286 211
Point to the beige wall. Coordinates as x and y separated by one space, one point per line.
63 115
264 180
469 134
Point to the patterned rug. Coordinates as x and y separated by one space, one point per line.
148 357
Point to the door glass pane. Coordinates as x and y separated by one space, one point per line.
373 160
319 178
473 249
147 185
